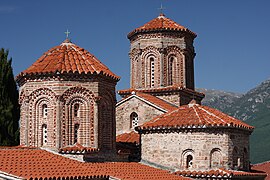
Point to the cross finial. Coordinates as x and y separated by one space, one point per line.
161 8
67 33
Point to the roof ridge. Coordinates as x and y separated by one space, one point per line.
211 114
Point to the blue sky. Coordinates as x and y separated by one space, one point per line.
233 51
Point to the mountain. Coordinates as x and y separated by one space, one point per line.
218 99
252 107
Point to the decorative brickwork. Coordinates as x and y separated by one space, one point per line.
171 51
83 100
161 62
38 100
68 104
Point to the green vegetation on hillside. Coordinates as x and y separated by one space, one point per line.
260 138
253 108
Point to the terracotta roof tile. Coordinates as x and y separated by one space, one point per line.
131 137
194 116
151 99
160 23
68 58
32 163
220 173
265 166
161 89
77 149
159 102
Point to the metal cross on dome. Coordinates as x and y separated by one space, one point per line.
67 33
161 9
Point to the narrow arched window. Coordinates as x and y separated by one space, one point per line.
170 71
76 110
44 110
44 134
76 129
245 159
215 158
236 158
152 72
134 120
189 161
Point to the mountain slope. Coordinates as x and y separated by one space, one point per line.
252 107
218 99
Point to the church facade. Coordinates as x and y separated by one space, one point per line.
162 65
69 110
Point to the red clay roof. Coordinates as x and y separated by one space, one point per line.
265 166
159 102
76 149
161 89
131 137
31 163
160 23
68 58
194 116
220 173
152 99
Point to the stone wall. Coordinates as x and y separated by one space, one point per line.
209 149
146 112
239 150
172 98
61 99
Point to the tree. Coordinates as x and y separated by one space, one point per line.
9 107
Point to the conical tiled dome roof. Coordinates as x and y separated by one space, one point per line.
68 58
194 116
158 24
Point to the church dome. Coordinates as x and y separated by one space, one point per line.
161 23
68 58
194 116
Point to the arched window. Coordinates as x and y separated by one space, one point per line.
245 159
189 161
44 110
170 71
236 158
76 129
76 110
44 134
134 120
152 72
215 158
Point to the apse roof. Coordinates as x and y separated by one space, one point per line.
194 116
68 58
160 23
130 137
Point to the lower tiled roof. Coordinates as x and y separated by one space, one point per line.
77 149
194 116
162 89
34 163
220 173
130 137
265 167
148 98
